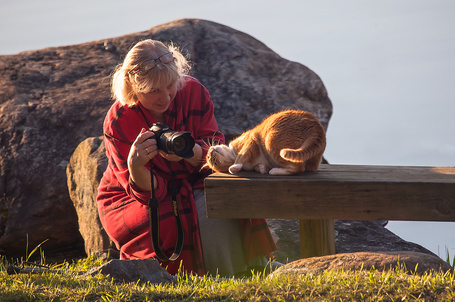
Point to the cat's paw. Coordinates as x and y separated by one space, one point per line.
235 168
280 171
261 168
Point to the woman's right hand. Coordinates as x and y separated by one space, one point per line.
144 148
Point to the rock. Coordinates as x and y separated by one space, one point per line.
286 234
84 173
410 261
350 237
50 101
53 99
146 270
363 236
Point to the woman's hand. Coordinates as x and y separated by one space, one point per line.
143 149
170 157
194 161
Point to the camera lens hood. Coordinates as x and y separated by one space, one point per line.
181 144
173 142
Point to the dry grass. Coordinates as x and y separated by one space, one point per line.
372 285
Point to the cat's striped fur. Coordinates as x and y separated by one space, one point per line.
287 142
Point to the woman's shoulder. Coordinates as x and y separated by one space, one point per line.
193 87
120 115
191 81
117 110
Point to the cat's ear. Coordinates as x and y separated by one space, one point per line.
235 168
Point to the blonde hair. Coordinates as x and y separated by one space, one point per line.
125 83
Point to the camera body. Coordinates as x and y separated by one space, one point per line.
173 142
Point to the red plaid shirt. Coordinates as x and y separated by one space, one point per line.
123 205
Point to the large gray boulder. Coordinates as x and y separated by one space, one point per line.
53 99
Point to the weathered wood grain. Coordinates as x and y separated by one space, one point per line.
336 192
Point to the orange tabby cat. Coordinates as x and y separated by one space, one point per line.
286 142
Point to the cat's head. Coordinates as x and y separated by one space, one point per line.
220 158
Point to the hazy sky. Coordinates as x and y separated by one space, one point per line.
388 65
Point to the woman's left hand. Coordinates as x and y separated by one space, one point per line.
169 157
194 161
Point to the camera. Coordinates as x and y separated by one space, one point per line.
173 142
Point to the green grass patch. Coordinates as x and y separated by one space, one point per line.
64 284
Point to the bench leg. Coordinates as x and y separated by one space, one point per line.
317 237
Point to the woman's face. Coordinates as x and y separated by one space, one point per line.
158 100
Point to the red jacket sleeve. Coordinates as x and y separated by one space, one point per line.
118 143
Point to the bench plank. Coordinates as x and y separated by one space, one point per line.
346 192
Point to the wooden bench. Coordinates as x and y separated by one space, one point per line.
345 192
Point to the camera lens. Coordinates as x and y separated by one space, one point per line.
173 142
179 144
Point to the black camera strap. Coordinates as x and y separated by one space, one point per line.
154 217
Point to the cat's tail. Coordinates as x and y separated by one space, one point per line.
312 146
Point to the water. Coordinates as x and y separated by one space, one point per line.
388 67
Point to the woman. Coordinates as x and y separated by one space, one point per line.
152 86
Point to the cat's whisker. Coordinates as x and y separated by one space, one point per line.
206 143
213 139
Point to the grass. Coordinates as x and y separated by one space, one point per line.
363 285
452 263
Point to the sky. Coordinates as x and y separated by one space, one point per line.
388 66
